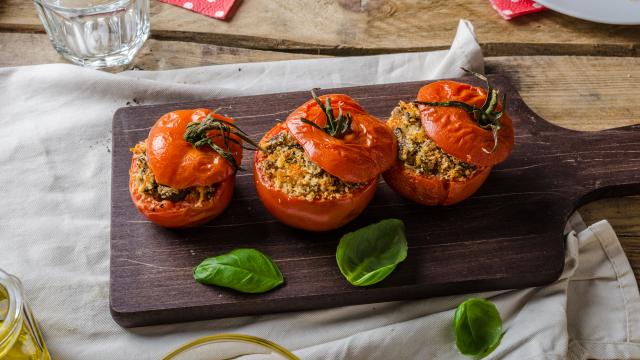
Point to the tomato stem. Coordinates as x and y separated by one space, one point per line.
336 127
486 116
197 134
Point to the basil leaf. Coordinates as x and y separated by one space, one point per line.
368 255
245 270
478 327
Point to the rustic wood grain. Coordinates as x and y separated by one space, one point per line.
578 92
582 93
585 93
511 235
622 213
365 27
17 49
631 246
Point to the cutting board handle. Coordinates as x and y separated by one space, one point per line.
584 165
607 163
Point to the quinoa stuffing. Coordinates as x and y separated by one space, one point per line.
418 152
147 185
287 168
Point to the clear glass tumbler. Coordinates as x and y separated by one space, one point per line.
96 33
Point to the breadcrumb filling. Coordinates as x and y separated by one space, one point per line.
287 168
419 153
146 182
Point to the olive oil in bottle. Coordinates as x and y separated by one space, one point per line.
20 337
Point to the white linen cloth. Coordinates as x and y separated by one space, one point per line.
55 166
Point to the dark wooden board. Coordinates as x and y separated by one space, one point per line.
508 235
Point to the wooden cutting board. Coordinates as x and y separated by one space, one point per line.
508 235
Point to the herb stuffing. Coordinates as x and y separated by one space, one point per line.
146 183
289 169
421 154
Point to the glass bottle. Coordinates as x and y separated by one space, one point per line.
20 337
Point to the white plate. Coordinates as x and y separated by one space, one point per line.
622 12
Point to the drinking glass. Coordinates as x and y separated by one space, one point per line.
96 33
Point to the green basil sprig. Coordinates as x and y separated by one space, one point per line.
478 327
245 270
368 255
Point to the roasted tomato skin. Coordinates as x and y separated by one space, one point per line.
314 215
178 164
183 213
456 132
358 157
432 190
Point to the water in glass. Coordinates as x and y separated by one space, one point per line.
96 33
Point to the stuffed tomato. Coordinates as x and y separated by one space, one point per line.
183 174
319 168
448 141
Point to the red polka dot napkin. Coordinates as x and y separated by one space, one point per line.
509 9
219 9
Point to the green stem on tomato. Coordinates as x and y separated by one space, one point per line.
486 116
197 134
336 127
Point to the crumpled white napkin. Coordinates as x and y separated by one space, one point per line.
54 226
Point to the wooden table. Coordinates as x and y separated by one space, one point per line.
580 75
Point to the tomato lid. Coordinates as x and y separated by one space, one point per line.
356 155
456 131
179 164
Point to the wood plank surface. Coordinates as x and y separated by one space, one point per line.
549 173
581 93
348 27
18 49
577 92
624 216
